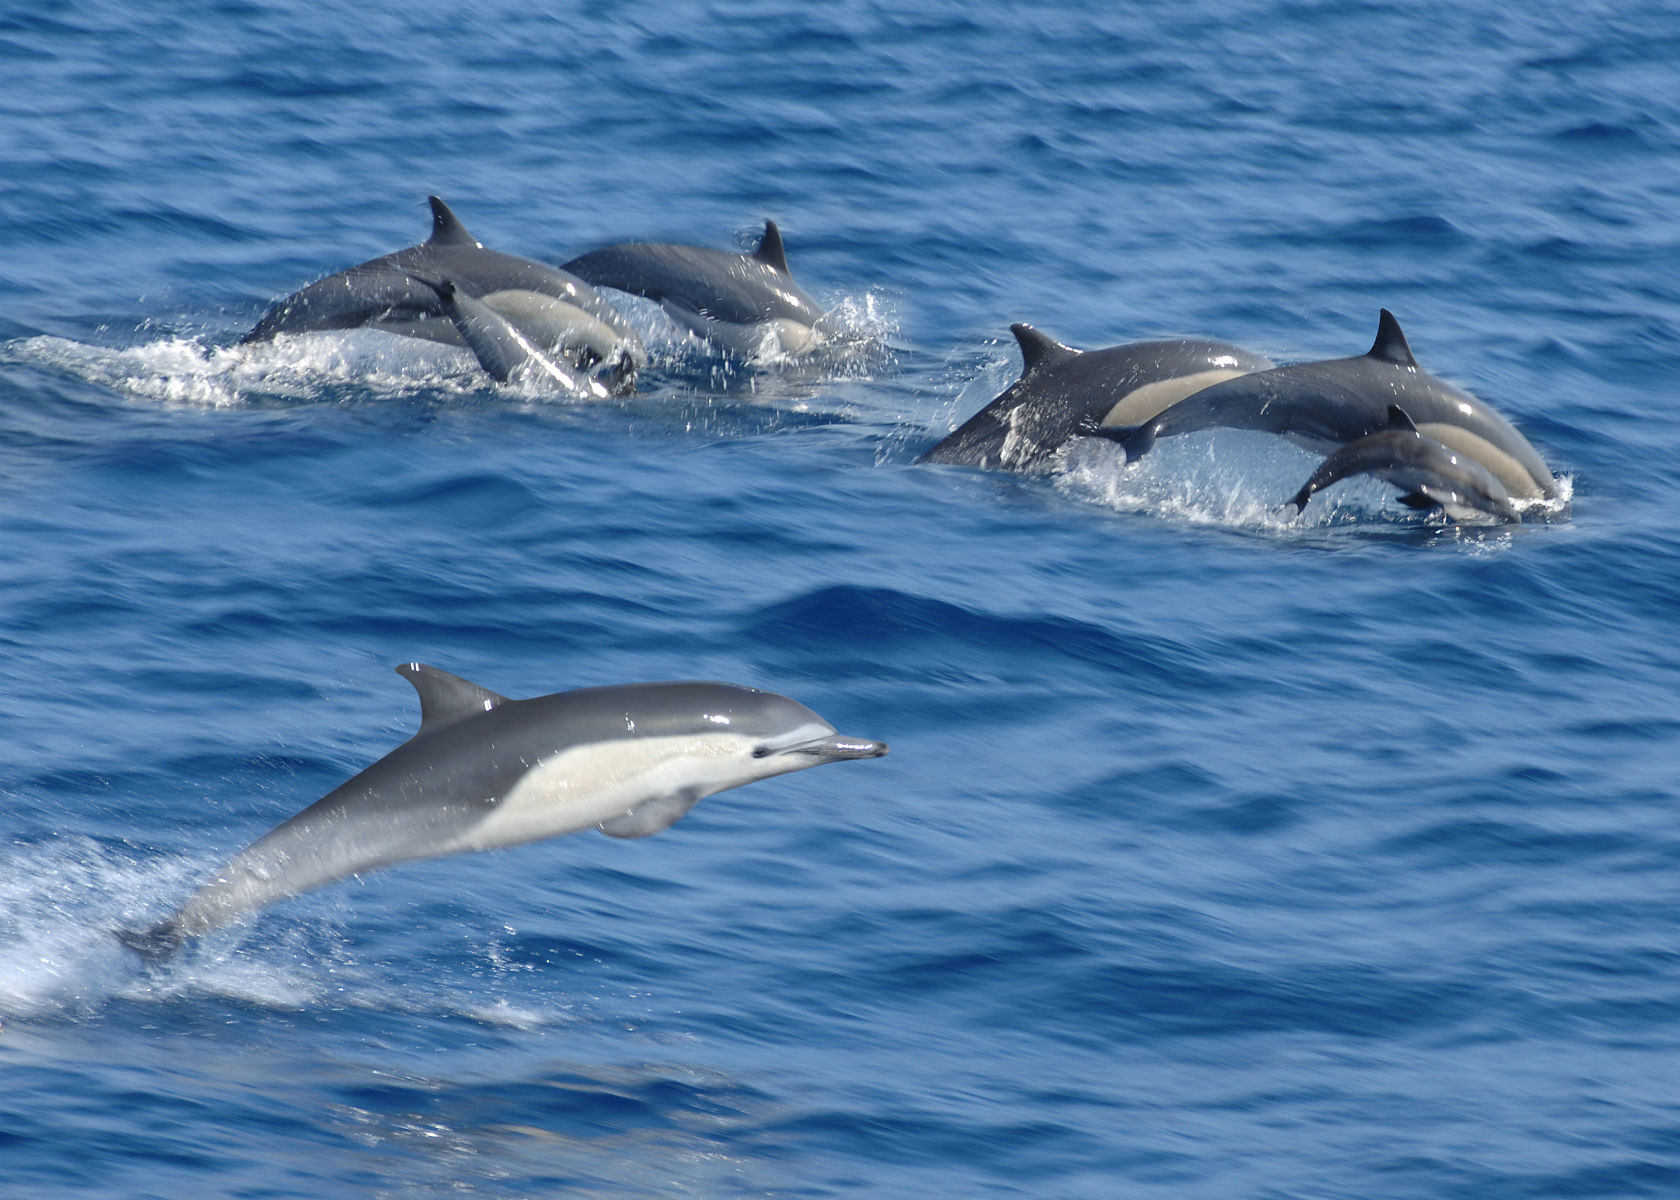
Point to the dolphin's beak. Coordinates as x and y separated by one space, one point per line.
837 747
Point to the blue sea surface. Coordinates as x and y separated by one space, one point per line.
1221 852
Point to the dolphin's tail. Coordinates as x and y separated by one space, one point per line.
155 944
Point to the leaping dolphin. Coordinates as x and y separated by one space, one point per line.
746 304
1322 405
501 349
1064 392
556 310
1429 474
485 771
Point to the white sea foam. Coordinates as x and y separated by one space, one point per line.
197 373
1240 480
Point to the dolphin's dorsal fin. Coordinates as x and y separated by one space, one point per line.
1399 418
1040 349
770 251
1390 346
447 229
446 698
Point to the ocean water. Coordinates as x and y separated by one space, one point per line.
1220 852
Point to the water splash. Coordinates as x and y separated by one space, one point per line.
1237 480
194 372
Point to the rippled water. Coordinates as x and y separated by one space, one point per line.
1220 852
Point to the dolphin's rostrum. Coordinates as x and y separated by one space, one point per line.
485 771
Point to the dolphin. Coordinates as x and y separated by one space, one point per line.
1322 405
485 771
554 309
1429 474
746 304
1064 392
501 348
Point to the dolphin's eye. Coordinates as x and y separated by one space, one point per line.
761 751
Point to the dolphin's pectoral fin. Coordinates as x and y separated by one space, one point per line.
651 816
446 698
1419 500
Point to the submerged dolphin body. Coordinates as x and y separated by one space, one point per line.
485 771
748 304
1322 405
556 310
501 349
1429 474
1064 392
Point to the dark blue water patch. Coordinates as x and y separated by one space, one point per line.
466 499
1486 841
1602 136
1662 731
1205 1000
900 623
1039 1151
1172 778
1634 1176
1262 814
180 222
1429 231
42 23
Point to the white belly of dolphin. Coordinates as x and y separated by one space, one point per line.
579 788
